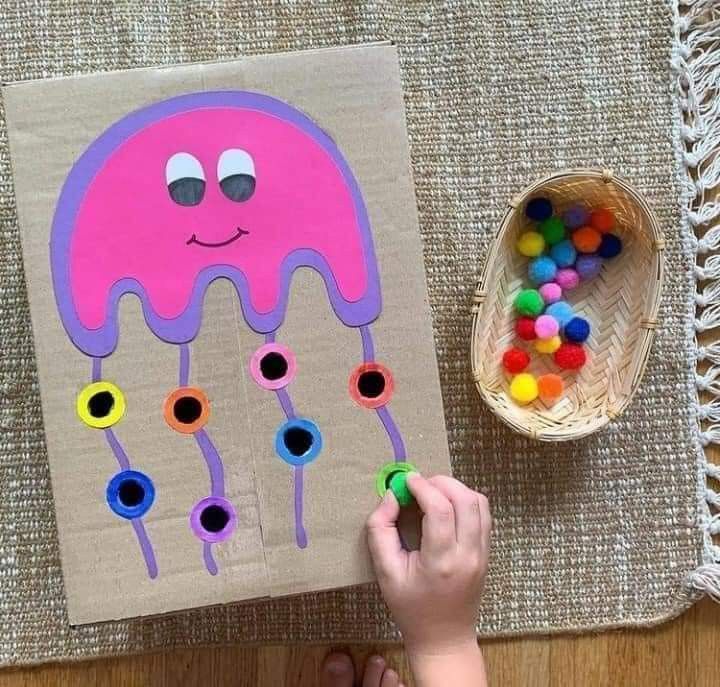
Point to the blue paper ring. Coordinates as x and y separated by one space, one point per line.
285 452
113 494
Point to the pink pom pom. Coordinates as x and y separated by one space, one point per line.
567 278
546 326
550 292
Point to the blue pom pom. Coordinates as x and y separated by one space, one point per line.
563 254
542 270
577 330
610 246
539 209
561 311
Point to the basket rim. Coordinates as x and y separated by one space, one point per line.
648 323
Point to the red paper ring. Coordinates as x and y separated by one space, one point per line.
371 385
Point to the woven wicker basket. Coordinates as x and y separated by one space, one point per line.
621 305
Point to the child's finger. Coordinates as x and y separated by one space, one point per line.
468 526
485 521
384 542
438 523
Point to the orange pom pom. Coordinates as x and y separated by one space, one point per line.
550 387
603 220
586 240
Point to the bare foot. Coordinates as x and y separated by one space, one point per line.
337 671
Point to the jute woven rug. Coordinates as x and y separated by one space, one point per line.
605 532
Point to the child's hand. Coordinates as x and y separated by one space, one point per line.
434 593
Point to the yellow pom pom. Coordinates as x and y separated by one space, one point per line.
531 244
548 345
524 388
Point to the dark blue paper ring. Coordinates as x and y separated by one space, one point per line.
130 494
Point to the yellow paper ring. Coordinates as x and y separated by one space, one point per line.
90 416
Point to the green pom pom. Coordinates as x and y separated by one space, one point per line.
553 230
529 302
398 486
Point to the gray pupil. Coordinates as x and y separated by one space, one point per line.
187 191
238 187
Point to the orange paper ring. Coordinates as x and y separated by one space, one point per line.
186 409
366 397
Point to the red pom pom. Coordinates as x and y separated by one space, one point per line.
515 360
570 356
525 328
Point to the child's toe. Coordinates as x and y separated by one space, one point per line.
374 669
337 671
390 679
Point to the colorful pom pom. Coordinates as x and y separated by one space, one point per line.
610 246
553 230
550 388
524 388
525 328
576 216
531 244
563 254
529 302
546 326
399 488
586 240
548 345
588 266
570 356
603 220
561 311
567 278
542 269
515 360
550 292
577 330
538 209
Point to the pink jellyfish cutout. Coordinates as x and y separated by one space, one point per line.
204 186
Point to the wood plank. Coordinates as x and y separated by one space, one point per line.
681 653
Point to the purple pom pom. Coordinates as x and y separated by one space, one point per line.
576 216
588 266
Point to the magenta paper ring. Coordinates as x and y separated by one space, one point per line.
205 535
281 382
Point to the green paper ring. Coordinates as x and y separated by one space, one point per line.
387 471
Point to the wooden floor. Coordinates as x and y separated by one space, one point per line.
682 653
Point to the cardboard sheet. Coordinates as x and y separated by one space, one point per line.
294 521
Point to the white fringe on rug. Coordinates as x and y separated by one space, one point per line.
696 59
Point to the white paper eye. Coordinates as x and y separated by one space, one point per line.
236 174
185 179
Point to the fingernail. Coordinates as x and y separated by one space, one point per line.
412 474
377 660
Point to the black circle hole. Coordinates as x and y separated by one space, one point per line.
187 409
298 441
371 384
131 493
101 403
214 518
273 366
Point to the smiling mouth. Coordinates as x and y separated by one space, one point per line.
206 244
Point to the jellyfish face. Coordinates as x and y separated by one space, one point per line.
210 185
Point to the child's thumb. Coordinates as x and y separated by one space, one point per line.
383 536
